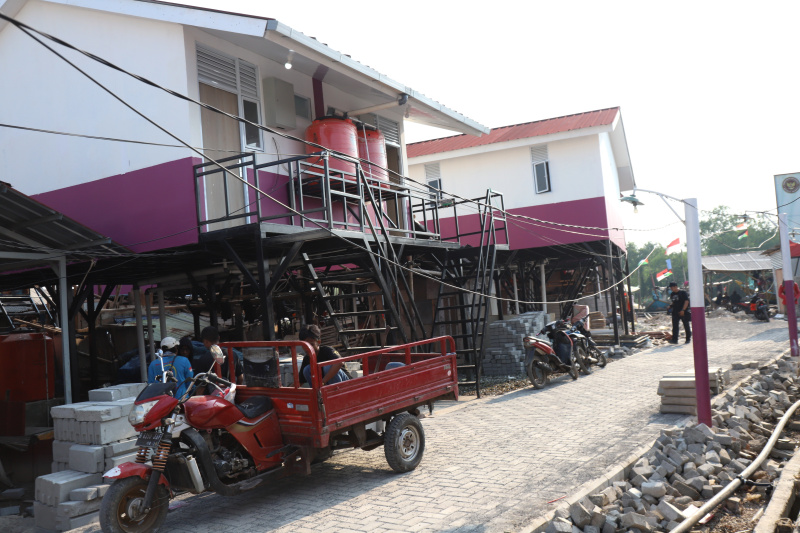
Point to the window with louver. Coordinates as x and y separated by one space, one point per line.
236 76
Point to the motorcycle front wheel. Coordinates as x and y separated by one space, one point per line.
602 361
536 375
120 510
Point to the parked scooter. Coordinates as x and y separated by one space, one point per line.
544 357
759 308
593 354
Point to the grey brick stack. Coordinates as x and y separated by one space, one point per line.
505 355
90 438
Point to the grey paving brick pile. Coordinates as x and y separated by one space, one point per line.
490 465
505 355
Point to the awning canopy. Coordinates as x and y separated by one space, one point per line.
743 262
33 235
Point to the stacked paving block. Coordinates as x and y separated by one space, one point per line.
90 438
678 393
505 355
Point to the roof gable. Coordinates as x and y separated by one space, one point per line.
601 117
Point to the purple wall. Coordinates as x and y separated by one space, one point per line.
152 204
531 234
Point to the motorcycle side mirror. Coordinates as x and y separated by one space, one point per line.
218 355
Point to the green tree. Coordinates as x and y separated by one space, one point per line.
656 262
719 235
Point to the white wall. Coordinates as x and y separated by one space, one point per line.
576 172
40 90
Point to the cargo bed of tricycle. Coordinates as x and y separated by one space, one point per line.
310 415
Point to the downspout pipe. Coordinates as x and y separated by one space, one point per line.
729 489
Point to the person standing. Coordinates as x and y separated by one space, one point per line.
180 367
210 338
680 313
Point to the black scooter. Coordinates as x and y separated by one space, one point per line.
551 355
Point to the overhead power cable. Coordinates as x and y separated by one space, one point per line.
27 28
27 31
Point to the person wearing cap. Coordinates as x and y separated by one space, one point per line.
180 367
680 313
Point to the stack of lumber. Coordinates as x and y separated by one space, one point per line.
678 393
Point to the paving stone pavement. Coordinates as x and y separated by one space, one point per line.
490 465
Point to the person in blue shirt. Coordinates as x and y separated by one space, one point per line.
180 366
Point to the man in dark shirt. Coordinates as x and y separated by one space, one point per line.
205 361
680 313
331 373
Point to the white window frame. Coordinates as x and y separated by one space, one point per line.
253 98
540 163
433 178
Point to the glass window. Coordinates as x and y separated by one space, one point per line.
252 134
541 173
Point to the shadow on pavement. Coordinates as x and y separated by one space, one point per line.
556 381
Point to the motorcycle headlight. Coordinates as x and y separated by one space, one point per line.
527 342
139 412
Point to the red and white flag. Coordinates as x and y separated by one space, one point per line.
674 247
663 274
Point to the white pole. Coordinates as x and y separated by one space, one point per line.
516 292
698 307
788 283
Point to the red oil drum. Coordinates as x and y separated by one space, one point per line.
372 147
334 133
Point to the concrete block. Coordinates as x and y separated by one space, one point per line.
105 395
12 494
53 489
86 458
580 515
108 432
559 525
67 411
71 509
101 489
111 462
98 413
655 489
70 523
122 447
669 511
56 466
61 450
83 494
44 516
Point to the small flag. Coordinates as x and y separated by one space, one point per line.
642 262
742 226
674 247
669 264
742 235
663 274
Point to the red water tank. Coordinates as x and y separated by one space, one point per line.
334 133
372 147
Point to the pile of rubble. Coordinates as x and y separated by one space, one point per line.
688 466
90 438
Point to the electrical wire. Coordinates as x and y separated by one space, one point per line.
24 28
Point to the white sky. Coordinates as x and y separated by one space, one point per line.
707 89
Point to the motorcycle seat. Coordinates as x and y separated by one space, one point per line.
255 406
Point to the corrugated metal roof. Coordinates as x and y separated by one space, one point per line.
601 117
746 262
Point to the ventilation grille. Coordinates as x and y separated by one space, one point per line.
539 153
216 69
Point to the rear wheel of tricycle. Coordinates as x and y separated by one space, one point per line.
536 375
404 442
121 508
